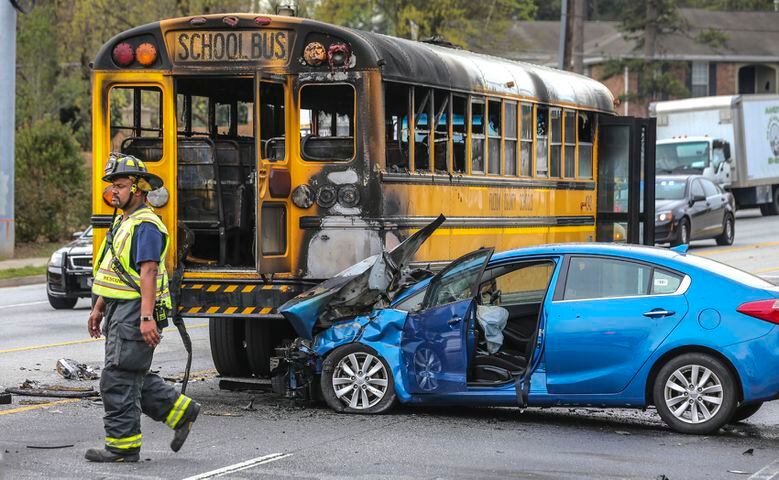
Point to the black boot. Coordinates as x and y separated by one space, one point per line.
185 425
106 456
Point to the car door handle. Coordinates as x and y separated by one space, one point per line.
658 312
454 320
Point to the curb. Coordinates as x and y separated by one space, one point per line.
19 281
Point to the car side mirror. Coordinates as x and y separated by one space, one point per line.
696 199
77 234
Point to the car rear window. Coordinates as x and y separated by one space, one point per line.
727 271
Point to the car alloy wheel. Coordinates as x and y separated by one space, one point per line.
693 394
360 380
427 367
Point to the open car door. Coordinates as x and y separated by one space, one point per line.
434 338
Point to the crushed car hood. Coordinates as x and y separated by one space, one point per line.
356 290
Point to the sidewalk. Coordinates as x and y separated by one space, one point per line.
21 263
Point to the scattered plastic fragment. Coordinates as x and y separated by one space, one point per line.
72 370
49 447
739 472
250 406
5 398
32 388
621 432
750 451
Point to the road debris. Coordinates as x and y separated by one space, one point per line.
250 406
49 447
750 451
72 370
662 477
739 472
621 432
222 414
32 388
5 398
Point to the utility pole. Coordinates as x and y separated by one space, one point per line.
577 35
7 125
561 58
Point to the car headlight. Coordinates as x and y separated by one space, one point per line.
159 197
56 259
664 217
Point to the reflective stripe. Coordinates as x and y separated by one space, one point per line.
124 443
175 414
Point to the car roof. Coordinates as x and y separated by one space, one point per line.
677 177
607 249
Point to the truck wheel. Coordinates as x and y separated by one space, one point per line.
771 208
62 303
259 346
682 233
728 231
227 348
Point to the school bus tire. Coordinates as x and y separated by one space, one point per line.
227 337
259 346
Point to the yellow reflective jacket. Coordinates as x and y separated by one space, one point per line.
107 281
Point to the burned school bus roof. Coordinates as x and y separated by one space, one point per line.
242 43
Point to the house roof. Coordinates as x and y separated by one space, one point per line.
750 37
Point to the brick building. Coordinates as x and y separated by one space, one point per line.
745 61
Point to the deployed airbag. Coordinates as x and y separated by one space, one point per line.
492 320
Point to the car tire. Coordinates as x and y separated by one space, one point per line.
695 410
227 346
62 303
772 208
728 231
745 411
370 392
259 346
682 233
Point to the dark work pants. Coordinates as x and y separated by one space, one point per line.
126 385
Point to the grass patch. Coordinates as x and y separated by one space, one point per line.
35 249
21 272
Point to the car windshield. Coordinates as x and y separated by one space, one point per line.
88 232
666 189
680 157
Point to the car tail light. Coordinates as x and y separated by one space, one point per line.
767 310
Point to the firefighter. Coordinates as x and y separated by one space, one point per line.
131 285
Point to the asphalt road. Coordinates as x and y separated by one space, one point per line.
274 439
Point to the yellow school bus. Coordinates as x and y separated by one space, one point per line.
291 149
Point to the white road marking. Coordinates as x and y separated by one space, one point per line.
240 466
23 304
768 472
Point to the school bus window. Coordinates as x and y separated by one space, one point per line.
396 104
327 122
586 137
570 144
477 135
494 132
222 119
274 231
245 119
423 103
556 139
136 126
273 121
542 126
526 142
441 130
459 133
199 115
510 139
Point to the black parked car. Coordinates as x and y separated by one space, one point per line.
69 273
693 208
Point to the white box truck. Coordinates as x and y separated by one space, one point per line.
732 139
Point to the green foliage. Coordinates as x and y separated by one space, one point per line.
712 37
458 21
52 191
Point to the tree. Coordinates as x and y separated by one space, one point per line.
52 190
459 21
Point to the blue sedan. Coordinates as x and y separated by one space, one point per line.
554 325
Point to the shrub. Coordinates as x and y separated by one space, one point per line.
52 191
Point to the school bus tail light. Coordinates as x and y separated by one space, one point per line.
123 54
146 54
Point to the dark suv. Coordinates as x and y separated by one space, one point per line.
69 273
